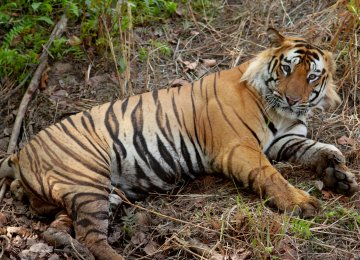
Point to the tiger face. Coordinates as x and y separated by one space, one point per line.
296 76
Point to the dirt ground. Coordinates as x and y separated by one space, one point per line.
210 218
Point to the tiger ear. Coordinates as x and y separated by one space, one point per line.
275 38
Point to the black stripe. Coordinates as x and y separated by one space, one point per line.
317 93
269 65
88 116
174 107
248 127
124 105
274 66
155 95
208 119
90 119
303 41
313 55
306 149
268 123
230 161
198 158
201 85
186 155
195 123
168 128
279 138
165 154
283 148
296 123
290 151
221 108
97 232
160 122
141 146
79 158
35 173
85 222
300 51
56 160
100 215
112 125
29 186
141 175
75 205
117 159
82 145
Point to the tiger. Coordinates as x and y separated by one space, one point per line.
235 121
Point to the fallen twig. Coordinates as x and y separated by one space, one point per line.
2 189
57 31
3 247
34 83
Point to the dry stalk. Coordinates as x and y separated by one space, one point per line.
113 55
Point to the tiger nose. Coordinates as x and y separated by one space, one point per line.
292 100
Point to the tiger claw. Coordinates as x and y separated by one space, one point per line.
297 203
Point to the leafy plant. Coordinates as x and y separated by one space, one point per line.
301 228
24 29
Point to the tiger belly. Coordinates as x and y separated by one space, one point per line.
157 164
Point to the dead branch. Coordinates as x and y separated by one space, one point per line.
2 189
34 83
57 31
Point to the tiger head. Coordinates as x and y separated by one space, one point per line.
293 76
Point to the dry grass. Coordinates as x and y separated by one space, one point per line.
212 218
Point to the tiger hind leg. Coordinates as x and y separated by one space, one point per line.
90 211
59 235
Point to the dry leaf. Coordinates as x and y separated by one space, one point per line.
74 40
289 252
143 219
194 33
179 11
151 248
44 79
209 62
190 65
60 93
344 140
241 254
158 32
138 238
326 195
23 232
36 251
319 185
3 219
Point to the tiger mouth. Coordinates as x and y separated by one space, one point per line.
279 105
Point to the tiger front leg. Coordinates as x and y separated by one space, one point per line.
252 168
325 159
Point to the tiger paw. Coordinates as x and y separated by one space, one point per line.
337 177
60 238
297 202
